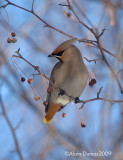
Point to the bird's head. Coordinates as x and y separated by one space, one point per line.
61 51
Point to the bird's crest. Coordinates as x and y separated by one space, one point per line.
64 46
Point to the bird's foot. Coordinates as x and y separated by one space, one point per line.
61 93
77 100
49 90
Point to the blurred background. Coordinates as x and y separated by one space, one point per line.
103 120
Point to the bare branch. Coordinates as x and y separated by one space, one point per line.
71 98
93 60
98 94
63 5
96 43
71 8
33 4
4 6
100 99
99 45
46 24
119 71
109 66
83 13
36 68
10 3
18 124
12 129
101 33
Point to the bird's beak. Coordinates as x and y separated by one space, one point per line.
51 55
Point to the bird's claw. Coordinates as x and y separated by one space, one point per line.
76 100
61 93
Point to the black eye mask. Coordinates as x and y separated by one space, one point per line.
58 54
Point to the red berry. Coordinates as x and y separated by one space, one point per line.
83 125
30 81
36 98
63 115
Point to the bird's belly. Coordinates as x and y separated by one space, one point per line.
63 100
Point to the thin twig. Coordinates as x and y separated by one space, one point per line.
98 93
35 67
101 33
71 98
10 3
109 66
63 5
91 42
46 24
119 71
98 44
18 124
101 99
11 128
4 6
93 60
71 8
33 4
95 44
83 13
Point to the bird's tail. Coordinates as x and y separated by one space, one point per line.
53 108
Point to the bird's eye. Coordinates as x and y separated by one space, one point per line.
60 53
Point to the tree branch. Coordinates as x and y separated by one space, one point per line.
12 129
96 43
97 36
33 4
93 60
32 12
72 98
98 98
68 35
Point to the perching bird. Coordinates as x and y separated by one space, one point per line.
69 77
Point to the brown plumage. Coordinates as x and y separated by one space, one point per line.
70 75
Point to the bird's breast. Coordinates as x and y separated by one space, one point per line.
64 100
71 79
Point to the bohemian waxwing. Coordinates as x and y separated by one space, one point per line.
69 77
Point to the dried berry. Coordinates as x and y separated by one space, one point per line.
83 125
22 79
63 115
13 34
92 82
45 103
30 81
9 40
14 40
49 90
68 14
36 98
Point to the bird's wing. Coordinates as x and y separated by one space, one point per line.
53 79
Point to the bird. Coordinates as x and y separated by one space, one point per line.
68 78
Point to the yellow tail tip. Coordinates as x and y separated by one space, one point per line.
47 121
